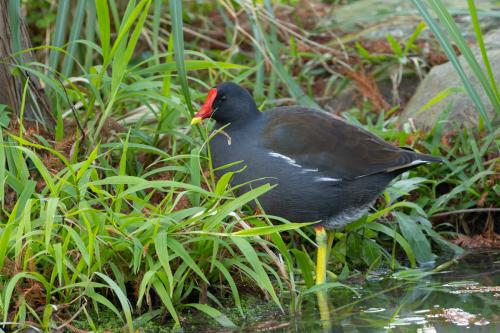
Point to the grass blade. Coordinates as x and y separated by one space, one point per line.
186 258
74 34
450 53
482 47
167 301
59 31
270 229
453 30
104 24
263 280
9 288
161 249
157 10
232 284
122 298
215 314
50 215
4 242
90 27
401 241
287 79
178 38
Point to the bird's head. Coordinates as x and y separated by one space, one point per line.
226 103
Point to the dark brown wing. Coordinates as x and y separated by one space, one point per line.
318 140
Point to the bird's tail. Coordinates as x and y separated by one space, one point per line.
416 160
428 158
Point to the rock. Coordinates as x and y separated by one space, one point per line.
399 18
463 112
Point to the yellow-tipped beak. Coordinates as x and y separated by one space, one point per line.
196 121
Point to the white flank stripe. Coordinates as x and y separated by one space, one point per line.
416 162
327 179
289 160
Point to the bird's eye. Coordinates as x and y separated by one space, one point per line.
223 98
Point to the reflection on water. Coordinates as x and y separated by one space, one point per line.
463 298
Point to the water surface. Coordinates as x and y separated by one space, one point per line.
464 297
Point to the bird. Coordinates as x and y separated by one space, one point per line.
323 168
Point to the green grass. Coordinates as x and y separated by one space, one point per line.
116 211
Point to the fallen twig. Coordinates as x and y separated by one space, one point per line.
464 211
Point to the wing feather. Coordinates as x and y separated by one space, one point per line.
318 140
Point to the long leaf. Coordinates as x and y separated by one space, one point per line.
167 301
177 32
74 34
124 302
251 255
186 258
59 31
9 288
50 215
401 241
412 232
215 314
104 24
452 28
271 229
482 47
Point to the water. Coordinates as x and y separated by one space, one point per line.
465 297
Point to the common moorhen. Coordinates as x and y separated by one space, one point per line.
325 169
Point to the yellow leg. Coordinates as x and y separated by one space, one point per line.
324 310
321 258
324 242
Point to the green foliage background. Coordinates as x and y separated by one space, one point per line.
117 208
